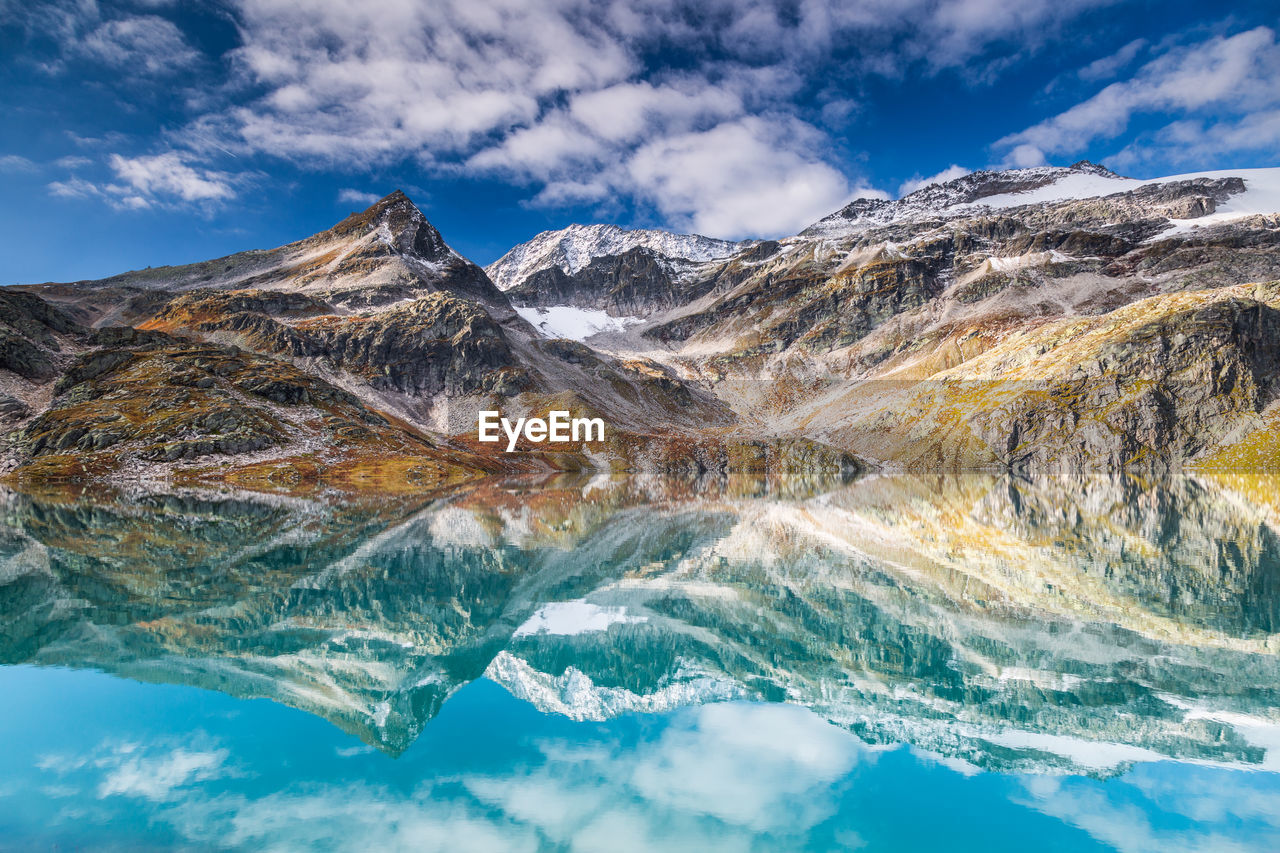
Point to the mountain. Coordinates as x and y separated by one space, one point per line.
375 345
1049 317
1052 316
570 249
990 191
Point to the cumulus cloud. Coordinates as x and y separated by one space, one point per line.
564 97
916 182
702 164
158 180
1232 79
713 766
737 179
354 83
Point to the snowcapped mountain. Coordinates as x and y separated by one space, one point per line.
1255 191
1045 276
574 247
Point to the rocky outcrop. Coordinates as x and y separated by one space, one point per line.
33 335
1164 381
638 282
436 344
144 403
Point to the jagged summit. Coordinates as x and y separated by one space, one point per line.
976 186
997 188
406 228
386 253
573 248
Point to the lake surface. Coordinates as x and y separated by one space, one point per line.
899 663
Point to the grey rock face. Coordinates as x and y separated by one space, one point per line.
638 282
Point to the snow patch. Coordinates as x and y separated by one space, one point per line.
566 618
1074 186
577 697
1261 196
578 324
1031 259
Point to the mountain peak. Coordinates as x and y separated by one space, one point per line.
574 247
403 225
1092 168
1001 188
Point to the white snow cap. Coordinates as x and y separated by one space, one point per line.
574 247
955 198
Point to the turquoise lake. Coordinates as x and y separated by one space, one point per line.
899 663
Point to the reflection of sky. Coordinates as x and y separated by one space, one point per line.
91 758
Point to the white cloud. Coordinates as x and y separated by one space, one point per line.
166 175
72 161
714 767
355 83
158 180
750 177
1119 826
132 45
1025 156
140 44
542 150
1109 66
724 777
159 778
630 111
916 182
1232 77
559 98
961 30
351 196
16 163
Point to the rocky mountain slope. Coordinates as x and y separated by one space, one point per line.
1064 317
377 316
1061 316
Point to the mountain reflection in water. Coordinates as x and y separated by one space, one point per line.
1053 628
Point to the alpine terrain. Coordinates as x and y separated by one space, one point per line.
1064 318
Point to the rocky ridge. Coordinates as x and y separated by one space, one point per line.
941 329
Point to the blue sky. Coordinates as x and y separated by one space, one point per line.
166 131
